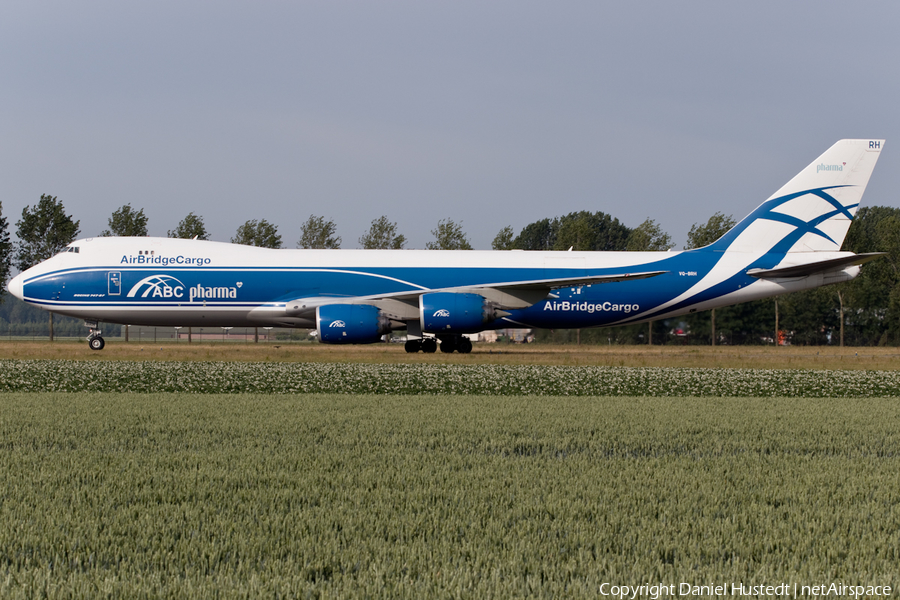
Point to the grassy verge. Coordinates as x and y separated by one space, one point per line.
182 495
731 357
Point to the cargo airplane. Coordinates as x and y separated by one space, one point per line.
791 242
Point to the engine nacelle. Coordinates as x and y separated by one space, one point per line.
446 312
351 324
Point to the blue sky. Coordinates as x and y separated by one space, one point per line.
490 114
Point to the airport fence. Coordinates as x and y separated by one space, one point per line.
249 335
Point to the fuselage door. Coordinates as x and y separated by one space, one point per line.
115 283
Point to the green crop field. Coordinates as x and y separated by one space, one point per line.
207 377
354 495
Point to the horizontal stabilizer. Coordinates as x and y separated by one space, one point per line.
812 268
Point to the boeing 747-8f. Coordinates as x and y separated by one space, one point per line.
791 242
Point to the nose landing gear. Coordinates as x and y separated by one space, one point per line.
95 341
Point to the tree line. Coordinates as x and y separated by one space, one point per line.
865 311
45 230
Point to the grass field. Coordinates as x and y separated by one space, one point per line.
756 357
177 495
218 377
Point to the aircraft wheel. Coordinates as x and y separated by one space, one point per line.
448 345
464 346
429 345
96 343
413 346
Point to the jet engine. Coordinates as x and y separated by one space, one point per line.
351 324
448 312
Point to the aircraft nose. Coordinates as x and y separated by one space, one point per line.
16 286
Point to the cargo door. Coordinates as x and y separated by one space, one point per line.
114 283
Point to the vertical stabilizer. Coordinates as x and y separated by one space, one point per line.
811 212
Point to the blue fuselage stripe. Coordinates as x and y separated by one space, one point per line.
95 291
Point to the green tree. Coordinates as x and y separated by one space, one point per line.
866 310
648 236
698 237
126 222
448 235
540 235
257 233
578 230
43 231
872 300
382 235
21 318
5 252
811 316
584 231
504 239
704 235
590 231
317 233
261 234
574 232
189 228
751 323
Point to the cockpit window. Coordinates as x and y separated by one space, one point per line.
74 249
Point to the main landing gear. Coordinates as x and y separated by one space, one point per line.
449 343
427 345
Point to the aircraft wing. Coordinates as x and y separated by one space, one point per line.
813 268
554 284
507 294
522 294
